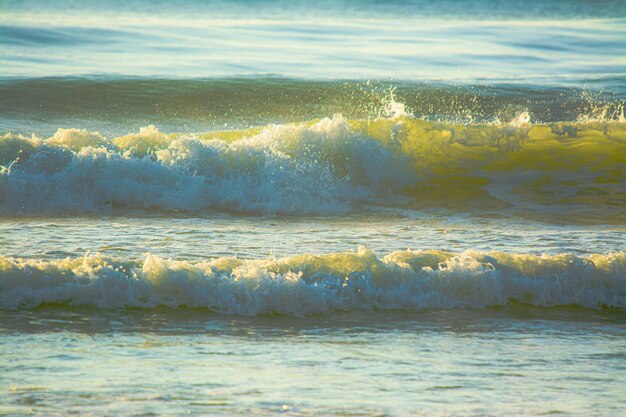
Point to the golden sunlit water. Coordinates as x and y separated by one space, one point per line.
407 208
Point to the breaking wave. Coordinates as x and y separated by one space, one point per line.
310 284
324 166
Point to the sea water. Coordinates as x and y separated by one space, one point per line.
331 208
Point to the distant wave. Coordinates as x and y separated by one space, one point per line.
331 165
310 284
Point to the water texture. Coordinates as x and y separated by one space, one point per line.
347 208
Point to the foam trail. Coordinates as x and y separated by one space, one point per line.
310 284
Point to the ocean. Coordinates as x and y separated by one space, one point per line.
329 208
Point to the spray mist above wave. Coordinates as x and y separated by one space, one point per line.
326 166
309 284
116 106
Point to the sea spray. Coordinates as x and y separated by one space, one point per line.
332 165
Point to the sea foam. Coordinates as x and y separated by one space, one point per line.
330 165
310 284
319 167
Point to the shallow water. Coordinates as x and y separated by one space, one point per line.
522 362
339 208
255 237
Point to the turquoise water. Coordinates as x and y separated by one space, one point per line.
344 208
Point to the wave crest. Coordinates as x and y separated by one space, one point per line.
318 167
329 165
310 284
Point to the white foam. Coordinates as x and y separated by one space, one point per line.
324 167
332 165
307 284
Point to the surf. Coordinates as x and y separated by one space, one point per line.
315 284
329 165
